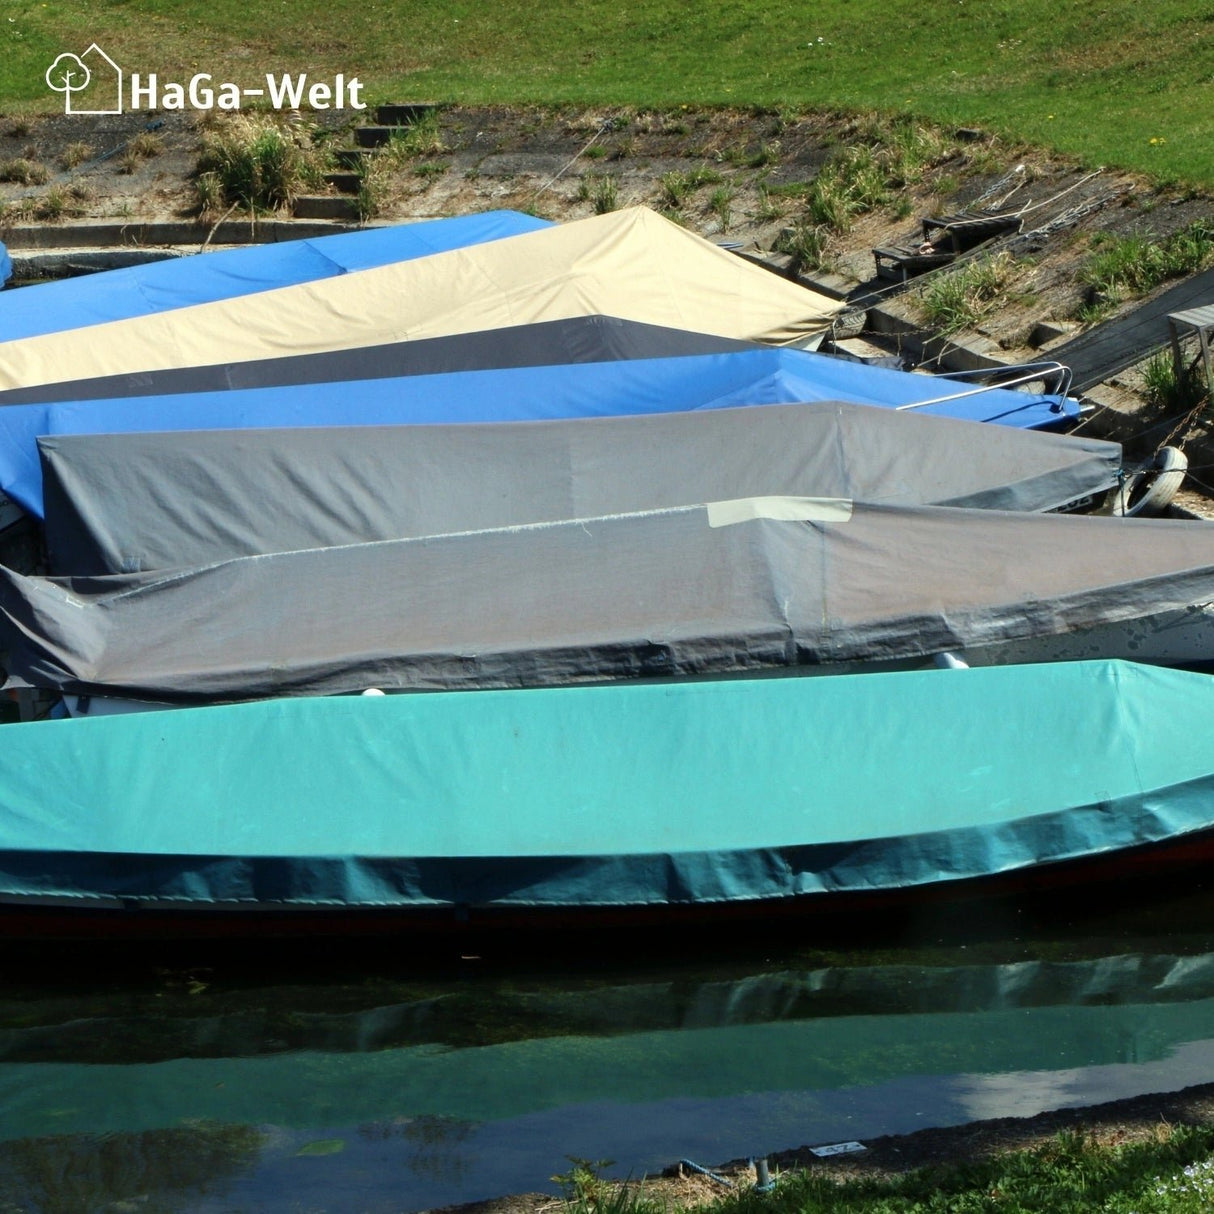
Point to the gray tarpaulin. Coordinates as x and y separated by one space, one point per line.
129 502
691 591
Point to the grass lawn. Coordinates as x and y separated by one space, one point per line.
1171 1173
1116 83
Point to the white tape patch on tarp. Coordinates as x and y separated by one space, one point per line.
788 509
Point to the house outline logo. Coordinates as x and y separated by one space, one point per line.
71 74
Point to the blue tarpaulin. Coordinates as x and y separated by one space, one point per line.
6 266
632 387
184 281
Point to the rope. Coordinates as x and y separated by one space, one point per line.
1063 193
695 1167
991 191
1068 217
608 123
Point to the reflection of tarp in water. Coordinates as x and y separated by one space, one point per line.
636 1044
325 1089
269 1020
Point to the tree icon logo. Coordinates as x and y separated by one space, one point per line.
71 74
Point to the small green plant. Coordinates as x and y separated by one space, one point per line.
767 153
851 183
677 186
768 208
75 154
584 1181
674 189
422 138
431 168
24 171
603 192
806 243
1166 389
146 145
595 152
258 164
20 128
606 195
960 298
373 190
208 194
128 163
720 204
52 205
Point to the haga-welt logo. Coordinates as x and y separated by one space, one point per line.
92 83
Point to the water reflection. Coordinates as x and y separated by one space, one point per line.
78 1175
195 1093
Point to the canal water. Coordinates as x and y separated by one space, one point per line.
379 1081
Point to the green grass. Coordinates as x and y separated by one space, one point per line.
1129 266
960 298
1167 390
256 162
1171 1174
1120 83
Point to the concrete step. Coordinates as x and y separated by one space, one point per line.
375 136
106 233
325 206
353 158
344 183
403 113
69 263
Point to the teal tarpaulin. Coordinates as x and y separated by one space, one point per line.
617 795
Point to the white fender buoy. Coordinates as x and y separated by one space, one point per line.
949 661
1151 489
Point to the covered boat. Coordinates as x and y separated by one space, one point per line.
162 286
722 589
122 503
628 387
633 264
584 803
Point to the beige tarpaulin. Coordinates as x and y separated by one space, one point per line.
632 264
